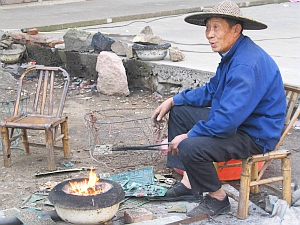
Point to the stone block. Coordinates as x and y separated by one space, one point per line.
43 56
78 40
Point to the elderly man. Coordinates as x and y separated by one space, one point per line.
239 112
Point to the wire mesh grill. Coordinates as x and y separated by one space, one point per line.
124 127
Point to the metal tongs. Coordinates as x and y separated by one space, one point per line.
109 149
140 147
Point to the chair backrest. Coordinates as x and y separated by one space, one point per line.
293 110
45 97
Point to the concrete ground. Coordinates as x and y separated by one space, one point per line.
256 214
281 39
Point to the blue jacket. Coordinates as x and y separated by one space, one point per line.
247 93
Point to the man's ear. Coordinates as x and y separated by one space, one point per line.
238 28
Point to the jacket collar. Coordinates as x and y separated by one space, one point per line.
233 48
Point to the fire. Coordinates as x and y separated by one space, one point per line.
87 186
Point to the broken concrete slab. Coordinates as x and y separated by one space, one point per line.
137 215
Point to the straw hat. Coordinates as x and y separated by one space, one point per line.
226 9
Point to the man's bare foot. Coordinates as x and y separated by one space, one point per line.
219 194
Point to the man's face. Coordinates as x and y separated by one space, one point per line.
220 35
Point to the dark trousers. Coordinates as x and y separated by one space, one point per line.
197 154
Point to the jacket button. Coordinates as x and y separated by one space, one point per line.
257 139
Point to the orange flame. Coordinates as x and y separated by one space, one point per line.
87 186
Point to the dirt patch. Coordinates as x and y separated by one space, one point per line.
19 181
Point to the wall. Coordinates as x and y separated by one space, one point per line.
164 79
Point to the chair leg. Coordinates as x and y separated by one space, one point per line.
216 165
244 190
65 140
25 141
6 147
254 175
50 148
287 179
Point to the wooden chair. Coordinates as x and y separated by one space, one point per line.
251 178
44 115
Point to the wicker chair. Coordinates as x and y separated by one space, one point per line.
251 178
44 115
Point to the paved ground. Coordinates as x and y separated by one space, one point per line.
82 11
281 39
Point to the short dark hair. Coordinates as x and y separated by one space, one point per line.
233 22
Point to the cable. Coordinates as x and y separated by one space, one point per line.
136 21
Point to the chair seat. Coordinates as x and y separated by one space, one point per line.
278 154
36 122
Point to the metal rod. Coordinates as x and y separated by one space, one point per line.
140 147
190 220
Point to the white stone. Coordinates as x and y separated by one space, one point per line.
112 79
175 54
147 37
129 52
119 47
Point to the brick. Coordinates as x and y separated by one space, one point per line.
137 215
35 40
55 42
41 39
32 31
17 36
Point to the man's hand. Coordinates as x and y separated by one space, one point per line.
173 146
162 110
